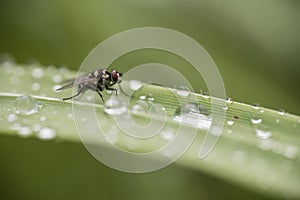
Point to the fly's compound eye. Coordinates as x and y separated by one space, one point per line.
115 76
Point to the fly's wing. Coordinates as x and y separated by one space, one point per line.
75 82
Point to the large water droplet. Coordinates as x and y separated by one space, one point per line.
26 105
135 84
263 134
193 114
46 133
115 106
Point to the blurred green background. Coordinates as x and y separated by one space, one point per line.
255 45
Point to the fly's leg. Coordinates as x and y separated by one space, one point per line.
81 90
113 89
100 95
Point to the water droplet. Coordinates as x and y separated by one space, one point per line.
151 98
277 121
262 110
228 100
239 157
256 119
115 106
26 105
263 134
230 123
46 133
42 118
290 152
36 127
266 144
19 71
281 112
225 107
35 86
135 84
11 117
193 114
167 134
256 106
143 97
57 78
229 131
205 95
24 131
37 73
90 98
183 91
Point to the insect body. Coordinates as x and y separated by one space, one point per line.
97 81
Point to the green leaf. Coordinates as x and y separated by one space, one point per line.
258 148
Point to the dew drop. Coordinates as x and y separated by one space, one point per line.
26 105
256 119
11 117
230 122
183 91
151 98
57 78
42 118
115 106
35 86
167 134
37 73
256 106
24 131
281 112
135 84
225 107
263 134
46 133
228 100
193 114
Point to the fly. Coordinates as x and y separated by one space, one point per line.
98 80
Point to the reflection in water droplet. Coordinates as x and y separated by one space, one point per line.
256 106
256 119
239 157
193 114
46 133
281 112
291 152
135 84
143 97
115 106
26 105
24 131
167 134
37 73
11 117
263 134
57 78
230 123
35 86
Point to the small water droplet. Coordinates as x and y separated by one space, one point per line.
183 91
229 131
26 105
35 86
239 157
256 106
193 114
115 106
281 112
135 84
24 131
151 98
205 95
42 118
19 71
262 110
266 144
277 121
11 117
228 100
290 152
225 107
230 122
57 78
37 73
46 133
256 119
167 134
36 127
263 134
90 98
